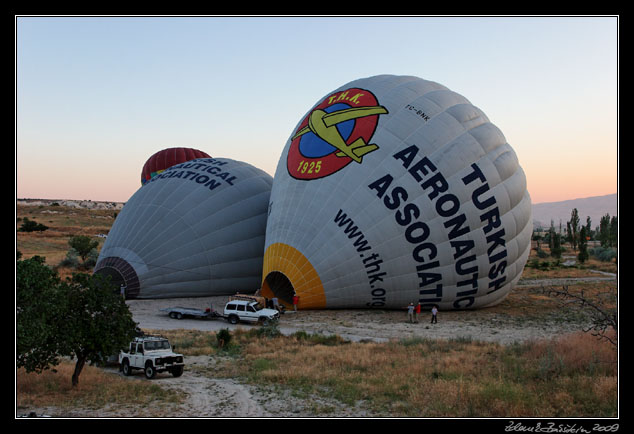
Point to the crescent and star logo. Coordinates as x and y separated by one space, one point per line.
336 133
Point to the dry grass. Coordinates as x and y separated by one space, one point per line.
574 376
97 389
190 342
63 223
577 353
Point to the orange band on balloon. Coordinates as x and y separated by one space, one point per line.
298 270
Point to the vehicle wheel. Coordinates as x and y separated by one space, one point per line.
177 371
126 367
264 321
233 319
179 315
173 315
150 372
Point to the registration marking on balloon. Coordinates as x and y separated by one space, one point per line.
334 134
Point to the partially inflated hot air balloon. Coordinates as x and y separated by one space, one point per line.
196 229
167 158
391 190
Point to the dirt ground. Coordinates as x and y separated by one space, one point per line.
517 319
357 325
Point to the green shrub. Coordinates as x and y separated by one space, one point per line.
71 260
31 226
270 330
320 339
604 254
223 337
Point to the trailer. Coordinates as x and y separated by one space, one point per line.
178 312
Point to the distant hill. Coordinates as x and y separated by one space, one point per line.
89 204
595 207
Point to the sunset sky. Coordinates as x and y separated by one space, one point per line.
96 96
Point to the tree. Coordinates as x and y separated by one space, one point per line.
614 231
83 317
574 228
98 322
583 246
554 242
537 238
568 232
551 232
589 227
37 315
601 308
556 250
604 231
83 245
608 231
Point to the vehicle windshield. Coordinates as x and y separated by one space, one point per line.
257 306
157 345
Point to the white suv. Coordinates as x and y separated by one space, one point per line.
152 354
249 311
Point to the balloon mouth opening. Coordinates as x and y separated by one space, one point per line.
280 286
120 273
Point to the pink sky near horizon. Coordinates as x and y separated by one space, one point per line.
558 167
548 181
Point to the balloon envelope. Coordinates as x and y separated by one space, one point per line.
391 190
167 158
196 229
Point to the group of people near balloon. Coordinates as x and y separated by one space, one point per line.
414 311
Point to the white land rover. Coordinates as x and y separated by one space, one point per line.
152 354
249 311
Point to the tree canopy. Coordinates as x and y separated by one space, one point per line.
83 317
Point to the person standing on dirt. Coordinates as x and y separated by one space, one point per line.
410 312
295 301
416 312
434 313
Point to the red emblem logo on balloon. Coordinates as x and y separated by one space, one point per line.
334 134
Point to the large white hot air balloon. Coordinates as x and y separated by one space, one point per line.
391 190
196 229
